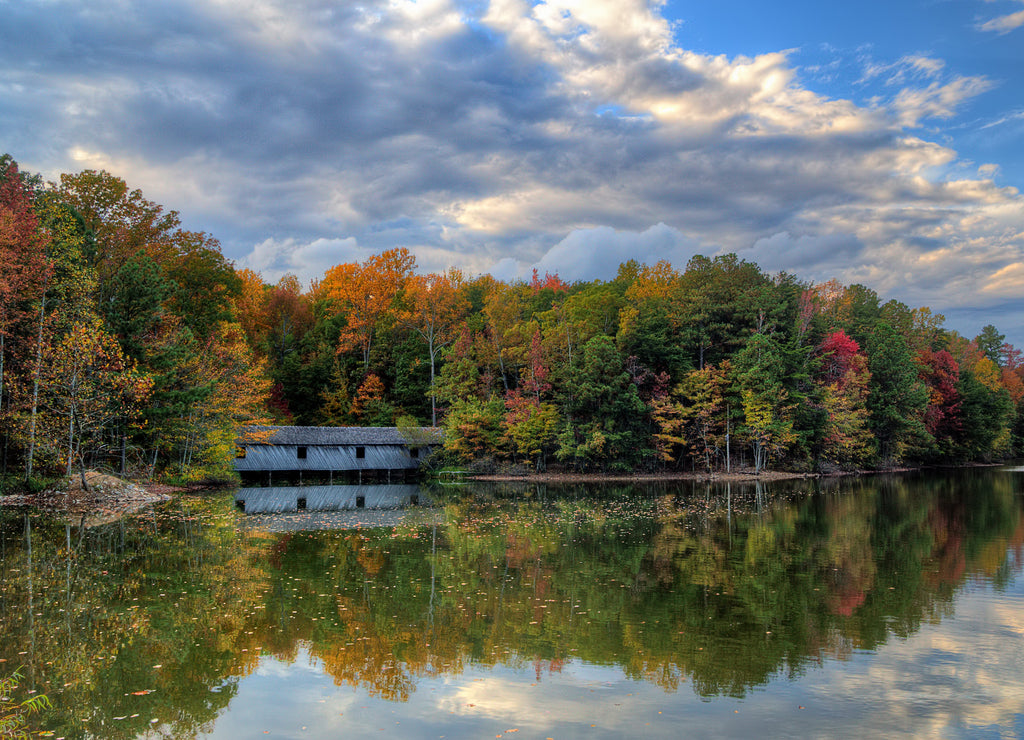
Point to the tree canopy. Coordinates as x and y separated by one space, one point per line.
710 366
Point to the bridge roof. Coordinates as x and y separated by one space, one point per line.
313 436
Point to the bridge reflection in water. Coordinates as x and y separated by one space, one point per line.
329 507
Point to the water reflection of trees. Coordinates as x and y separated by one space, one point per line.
130 621
724 588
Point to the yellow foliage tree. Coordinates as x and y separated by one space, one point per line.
437 306
239 390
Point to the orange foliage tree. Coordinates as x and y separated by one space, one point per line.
365 294
369 405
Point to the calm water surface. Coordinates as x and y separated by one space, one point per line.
878 607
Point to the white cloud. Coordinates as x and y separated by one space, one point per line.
307 261
1004 23
907 68
1005 282
586 254
937 100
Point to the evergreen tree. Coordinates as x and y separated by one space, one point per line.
897 399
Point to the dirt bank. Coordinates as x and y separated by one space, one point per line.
107 499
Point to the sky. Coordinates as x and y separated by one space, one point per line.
879 143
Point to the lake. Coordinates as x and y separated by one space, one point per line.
884 606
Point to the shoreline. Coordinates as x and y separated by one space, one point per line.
108 498
738 477
741 476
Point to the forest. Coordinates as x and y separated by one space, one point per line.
131 344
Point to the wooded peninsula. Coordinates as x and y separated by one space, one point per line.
130 344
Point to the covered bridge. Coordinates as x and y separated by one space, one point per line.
356 453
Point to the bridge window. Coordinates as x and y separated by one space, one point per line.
239 452
302 453
360 453
414 452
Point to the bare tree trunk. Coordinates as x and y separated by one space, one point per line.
81 468
35 388
501 365
433 389
124 452
152 465
71 442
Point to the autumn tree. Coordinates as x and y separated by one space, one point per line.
531 427
87 384
704 408
235 396
365 294
847 438
370 405
531 421
123 221
942 417
508 328
205 283
248 304
472 428
436 306
285 316
24 277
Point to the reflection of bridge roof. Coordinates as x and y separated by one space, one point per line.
308 521
312 436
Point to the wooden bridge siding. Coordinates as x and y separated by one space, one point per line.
259 458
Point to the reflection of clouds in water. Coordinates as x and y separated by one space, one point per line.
961 674
595 695
289 699
958 676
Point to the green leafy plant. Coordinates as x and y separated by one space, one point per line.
14 714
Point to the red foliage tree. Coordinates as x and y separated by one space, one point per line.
837 351
940 373
550 281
